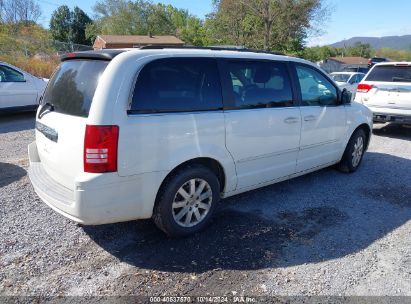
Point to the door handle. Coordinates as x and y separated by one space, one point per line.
291 120
310 118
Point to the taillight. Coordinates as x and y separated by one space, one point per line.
100 149
364 88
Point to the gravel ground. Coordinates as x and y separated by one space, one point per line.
326 233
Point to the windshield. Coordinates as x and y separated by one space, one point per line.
72 87
390 73
340 77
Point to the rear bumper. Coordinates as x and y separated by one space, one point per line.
399 119
97 198
400 116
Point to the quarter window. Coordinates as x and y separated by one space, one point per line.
316 90
177 85
260 84
10 75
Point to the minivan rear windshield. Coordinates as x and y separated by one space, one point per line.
390 73
72 87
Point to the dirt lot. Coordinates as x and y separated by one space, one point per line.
323 234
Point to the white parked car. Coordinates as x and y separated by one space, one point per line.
348 80
19 90
166 133
386 90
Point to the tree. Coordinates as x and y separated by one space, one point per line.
19 11
193 32
268 24
121 17
359 49
70 26
141 17
80 21
60 24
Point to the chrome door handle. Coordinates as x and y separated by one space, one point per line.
291 120
310 118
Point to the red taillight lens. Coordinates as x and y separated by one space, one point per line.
364 88
100 149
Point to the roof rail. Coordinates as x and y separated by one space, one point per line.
213 48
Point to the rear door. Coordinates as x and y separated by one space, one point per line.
15 89
175 115
323 119
62 117
391 86
262 120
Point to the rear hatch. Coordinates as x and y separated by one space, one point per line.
387 86
62 116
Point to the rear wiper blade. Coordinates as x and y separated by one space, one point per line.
47 106
401 79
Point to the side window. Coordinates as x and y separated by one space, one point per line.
260 84
316 90
10 75
355 79
177 85
360 77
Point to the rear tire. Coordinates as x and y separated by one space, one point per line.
354 152
186 201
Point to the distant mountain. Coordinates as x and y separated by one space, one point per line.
392 42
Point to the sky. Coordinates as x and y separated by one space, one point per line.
349 18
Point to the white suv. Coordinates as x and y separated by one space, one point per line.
386 90
166 133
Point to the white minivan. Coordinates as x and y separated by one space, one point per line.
165 133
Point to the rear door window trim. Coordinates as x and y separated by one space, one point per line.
146 112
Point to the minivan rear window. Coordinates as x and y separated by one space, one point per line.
390 73
72 87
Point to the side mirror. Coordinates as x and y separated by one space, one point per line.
346 96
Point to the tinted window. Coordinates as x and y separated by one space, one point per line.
178 84
355 79
376 59
72 87
260 84
10 75
340 77
316 90
390 73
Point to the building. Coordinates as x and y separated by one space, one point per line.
133 41
338 64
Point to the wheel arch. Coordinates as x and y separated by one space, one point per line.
366 128
208 162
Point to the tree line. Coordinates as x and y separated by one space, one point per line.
274 25
281 25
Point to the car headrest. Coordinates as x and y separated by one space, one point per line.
262 75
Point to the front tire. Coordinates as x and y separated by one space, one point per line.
186 201
354 152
